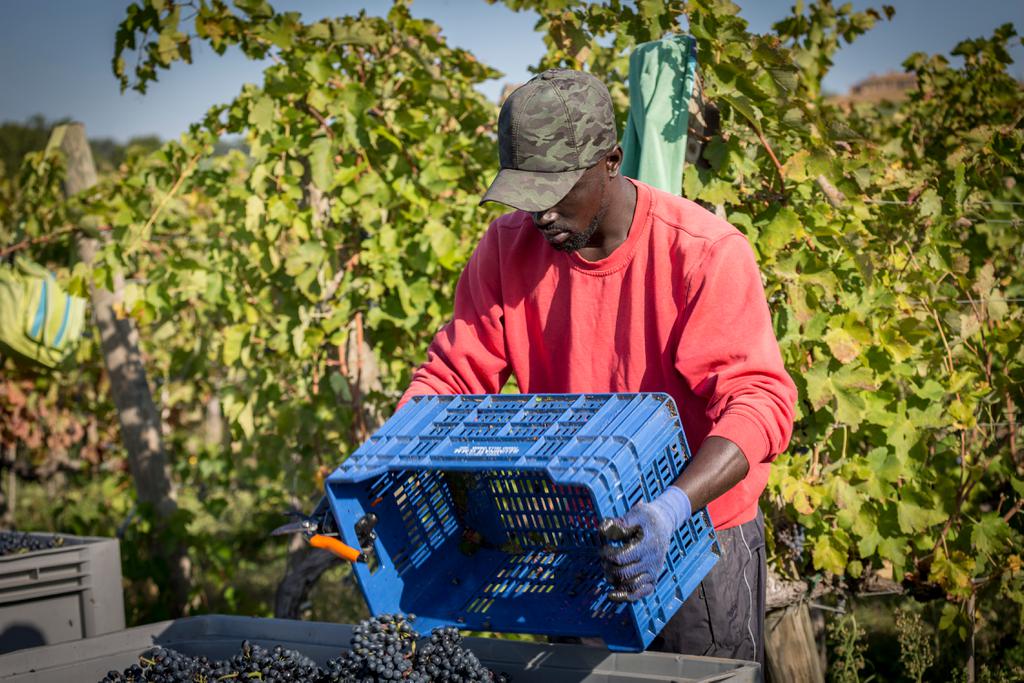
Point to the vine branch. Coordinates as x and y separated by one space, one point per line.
44 239
775 159
174 189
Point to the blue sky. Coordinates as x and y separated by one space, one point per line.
55 54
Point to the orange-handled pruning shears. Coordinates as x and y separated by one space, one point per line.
345 552
320 532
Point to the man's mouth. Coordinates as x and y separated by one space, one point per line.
557 235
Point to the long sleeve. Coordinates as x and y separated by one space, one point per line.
677 308
728 353
468 355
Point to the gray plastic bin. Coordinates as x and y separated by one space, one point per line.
61 594
220 636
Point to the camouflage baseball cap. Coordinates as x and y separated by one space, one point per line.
550 131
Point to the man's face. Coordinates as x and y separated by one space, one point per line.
570 224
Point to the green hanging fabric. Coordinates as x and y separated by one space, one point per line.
666 112
39 322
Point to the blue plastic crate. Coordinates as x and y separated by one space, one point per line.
489 508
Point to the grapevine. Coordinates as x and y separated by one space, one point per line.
889 237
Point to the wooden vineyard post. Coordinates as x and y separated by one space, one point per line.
791 655
129 388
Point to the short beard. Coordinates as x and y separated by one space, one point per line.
578 240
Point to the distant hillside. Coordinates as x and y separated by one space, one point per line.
893 86
19 138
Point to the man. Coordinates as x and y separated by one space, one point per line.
598 283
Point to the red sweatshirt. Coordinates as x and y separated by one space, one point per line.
678 308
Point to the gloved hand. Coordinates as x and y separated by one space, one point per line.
641 539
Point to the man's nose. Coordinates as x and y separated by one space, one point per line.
542 219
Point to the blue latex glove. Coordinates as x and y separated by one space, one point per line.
641 537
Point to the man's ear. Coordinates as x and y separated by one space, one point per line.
613 161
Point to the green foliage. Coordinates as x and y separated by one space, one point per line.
846 649
917 644
890 246
1000 674
254 278
813 37
356 110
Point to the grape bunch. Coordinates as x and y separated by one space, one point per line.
442 658
14 542
383 648
790 537
159 664
252 662
279 664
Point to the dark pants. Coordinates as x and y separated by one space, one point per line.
724 617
